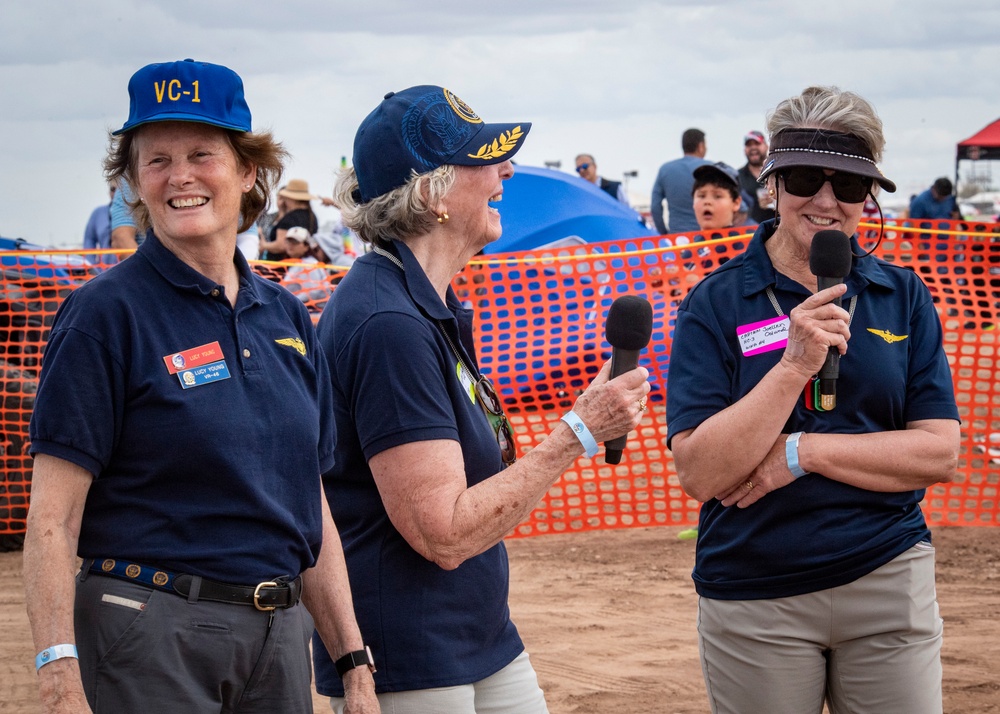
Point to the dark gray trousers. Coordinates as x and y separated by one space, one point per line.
143 650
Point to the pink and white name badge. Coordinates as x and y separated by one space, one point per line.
764 336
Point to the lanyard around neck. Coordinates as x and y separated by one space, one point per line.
781 313
386 254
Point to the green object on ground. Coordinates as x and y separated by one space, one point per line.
688 533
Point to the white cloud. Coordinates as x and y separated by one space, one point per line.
619 80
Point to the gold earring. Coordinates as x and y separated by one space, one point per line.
442 218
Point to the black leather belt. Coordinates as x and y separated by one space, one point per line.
265 596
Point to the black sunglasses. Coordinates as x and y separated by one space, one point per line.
490 403
806 181
582 167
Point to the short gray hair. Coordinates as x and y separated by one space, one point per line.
401 213
830 108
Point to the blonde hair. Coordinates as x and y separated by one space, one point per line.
830 108
256 149
401 213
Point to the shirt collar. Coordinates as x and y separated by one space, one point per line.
759 273
419 285
182 276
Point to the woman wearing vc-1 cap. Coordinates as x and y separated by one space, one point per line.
814 568
426 486
180 428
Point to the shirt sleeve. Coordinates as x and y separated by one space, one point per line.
121 214
90 233
396 356
930 388
700 374
324 396
78 414
656 207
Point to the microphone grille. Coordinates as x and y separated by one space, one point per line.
630 323
830 254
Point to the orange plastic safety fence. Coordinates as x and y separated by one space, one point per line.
32 287
540 337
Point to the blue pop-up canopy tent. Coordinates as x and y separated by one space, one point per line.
541 206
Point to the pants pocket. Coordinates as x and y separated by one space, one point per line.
108 611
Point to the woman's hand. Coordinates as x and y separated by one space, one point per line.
771 474
61 692
58 494
426 493
359 692
613 407
816 325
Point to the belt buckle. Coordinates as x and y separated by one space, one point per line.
256 596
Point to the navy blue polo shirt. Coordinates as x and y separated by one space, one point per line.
206 427
395 382
815 533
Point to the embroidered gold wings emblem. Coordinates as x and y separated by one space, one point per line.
500 146
887 336
295 343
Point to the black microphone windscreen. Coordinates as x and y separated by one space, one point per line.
830 254
630 323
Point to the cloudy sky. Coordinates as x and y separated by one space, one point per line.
620 80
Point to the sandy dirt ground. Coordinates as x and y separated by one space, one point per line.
608 618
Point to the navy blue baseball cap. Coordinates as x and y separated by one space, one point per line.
421 128
187 91
719 171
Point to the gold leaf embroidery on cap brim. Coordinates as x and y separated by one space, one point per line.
503 144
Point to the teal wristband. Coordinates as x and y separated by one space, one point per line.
582 432
53 653
792 454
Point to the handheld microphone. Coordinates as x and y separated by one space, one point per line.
830 261
628 329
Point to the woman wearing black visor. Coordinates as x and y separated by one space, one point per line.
814 567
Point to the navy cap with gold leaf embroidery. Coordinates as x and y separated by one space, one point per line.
421 128
187 91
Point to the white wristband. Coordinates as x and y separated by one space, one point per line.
51 654
582 432
792 454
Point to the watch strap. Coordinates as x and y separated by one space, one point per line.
357 658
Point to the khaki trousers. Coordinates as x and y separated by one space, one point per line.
512 690
871 646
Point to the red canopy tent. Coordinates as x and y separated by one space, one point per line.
984 145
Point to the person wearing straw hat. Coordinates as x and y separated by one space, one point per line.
813 564
180 428
298 212
426 484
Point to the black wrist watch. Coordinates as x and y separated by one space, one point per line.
355 659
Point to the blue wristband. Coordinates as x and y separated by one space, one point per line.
53 653
582 432
792 454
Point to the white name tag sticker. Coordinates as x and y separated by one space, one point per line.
468 383
764 336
